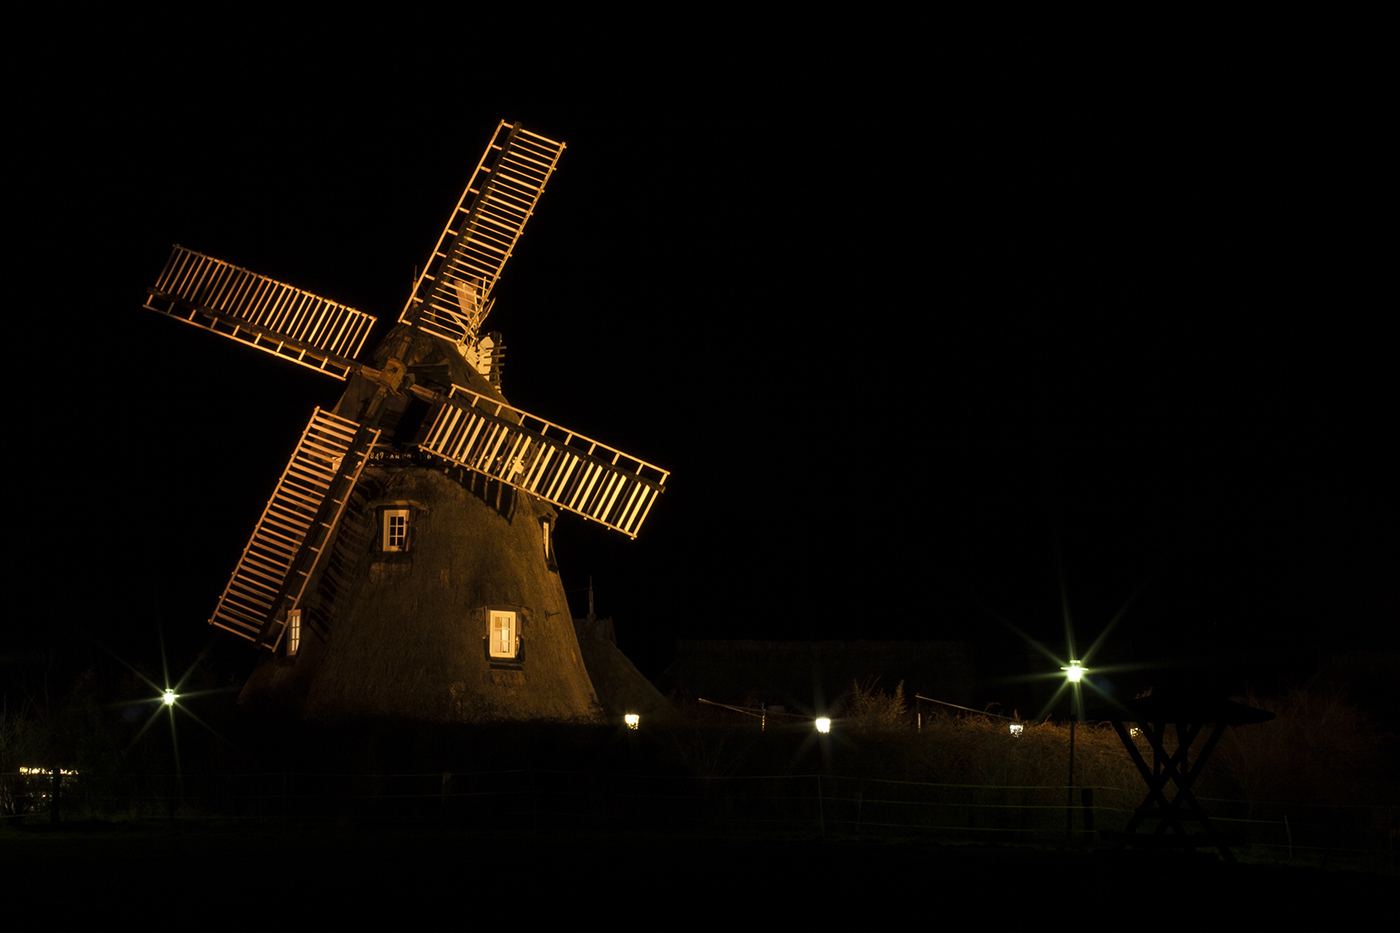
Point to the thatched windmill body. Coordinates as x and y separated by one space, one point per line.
404 565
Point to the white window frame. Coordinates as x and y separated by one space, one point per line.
389 542
293 632
503 634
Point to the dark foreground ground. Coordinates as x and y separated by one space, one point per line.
166 879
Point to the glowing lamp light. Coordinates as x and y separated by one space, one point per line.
823 725
632 719
169 697
1075 672
1017 729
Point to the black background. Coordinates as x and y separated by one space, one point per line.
941 329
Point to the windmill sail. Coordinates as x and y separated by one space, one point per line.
558 465
481 233
261 312
295 527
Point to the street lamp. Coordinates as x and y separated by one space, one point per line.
1074 672
823 725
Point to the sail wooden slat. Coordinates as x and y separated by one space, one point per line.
539 469
261 579
276 547
559 476
248 591
583 496
608 495
644 499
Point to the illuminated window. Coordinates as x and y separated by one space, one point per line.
546 538
395 536
503 640
293 632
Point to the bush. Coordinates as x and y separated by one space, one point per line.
869 709
1319 750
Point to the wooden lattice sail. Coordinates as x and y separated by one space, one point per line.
414 519
534 455
261 312
452 295
295 527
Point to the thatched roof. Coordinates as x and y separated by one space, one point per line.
621 688
410 639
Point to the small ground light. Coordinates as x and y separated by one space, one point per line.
169 697
1017 729
632 719
1074 672
823 725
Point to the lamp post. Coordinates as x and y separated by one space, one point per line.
1074 672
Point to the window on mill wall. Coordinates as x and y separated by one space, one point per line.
395 531
503 639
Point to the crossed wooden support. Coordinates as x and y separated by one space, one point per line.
1189 715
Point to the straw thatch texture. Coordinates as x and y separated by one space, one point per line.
411 642
403 635
621 688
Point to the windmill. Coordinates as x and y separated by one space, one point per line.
404 564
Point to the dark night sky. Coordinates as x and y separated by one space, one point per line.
919 329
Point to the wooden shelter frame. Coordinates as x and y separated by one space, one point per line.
1173 767
1188 715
